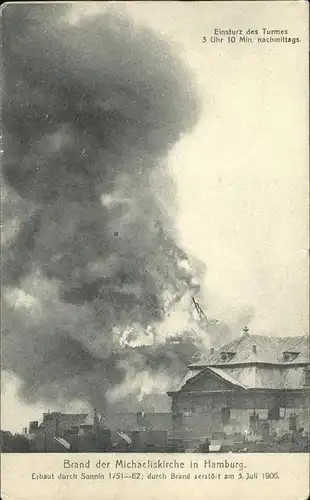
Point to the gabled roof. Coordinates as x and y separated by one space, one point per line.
193 375
63 442
226 376
267 350
124 436
189 376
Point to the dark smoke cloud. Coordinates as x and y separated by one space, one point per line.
90 113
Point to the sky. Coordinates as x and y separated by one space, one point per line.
241 174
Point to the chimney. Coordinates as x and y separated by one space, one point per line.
96 420
33 425
139 418
212 350
95 414
254 349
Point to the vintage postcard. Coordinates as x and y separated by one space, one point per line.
154 278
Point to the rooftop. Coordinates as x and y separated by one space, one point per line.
249 349
66 418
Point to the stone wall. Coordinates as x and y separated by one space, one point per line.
204 415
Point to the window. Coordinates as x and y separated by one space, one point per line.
227 356
253 422
225 415
289 355
274 413
307 376
177 419
292 422
282 413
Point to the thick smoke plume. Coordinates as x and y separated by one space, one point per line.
91 267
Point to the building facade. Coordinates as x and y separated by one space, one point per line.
253 385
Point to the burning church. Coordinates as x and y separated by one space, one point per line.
94 267
253 385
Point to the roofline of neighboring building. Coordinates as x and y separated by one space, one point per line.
240 389
245 364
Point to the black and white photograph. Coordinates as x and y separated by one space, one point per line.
154 253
